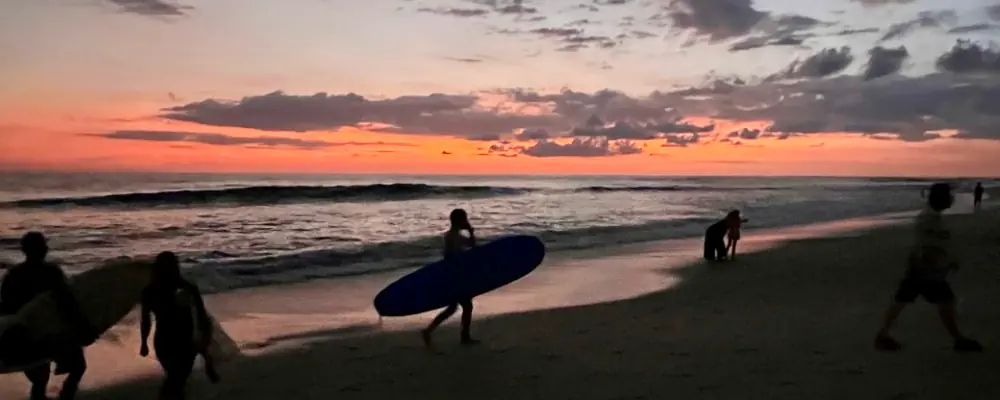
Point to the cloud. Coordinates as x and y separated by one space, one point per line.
924 19
879 3
967 57
455 12
745 134
533 134
883 61
973 28
573 39
822 64
993 12
857 31
715 19
582 147
152 8
751 43
466 60
215 139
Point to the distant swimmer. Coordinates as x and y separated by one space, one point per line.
977 196
454 243
715 237
29 279
735 223
179 310
930 262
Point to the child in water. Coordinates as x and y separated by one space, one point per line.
455 243
179 310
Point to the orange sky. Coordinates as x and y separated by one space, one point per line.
59 145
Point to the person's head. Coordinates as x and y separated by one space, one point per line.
34 246
733 215
166 268
939 196
459 219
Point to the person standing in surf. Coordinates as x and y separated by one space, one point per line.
930 261
183 328
454 243
977 196
22 284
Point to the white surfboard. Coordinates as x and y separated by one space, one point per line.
222 347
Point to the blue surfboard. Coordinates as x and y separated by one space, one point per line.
468 274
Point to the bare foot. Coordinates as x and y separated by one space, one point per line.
887 343
213 375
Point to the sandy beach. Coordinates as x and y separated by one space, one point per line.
794 319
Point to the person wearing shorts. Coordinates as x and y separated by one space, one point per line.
926 276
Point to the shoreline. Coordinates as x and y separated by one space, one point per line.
333 317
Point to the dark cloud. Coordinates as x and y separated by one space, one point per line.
215 139
879 3
485 138
153 8
858 31
612 2
973 28
745 134
967 57
884 61
718 20
681 140
455 12
925 19
822 64
533 134
993 12
582 147
573 39
619 130
467 60
715 19
751 43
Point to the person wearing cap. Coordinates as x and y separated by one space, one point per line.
930 262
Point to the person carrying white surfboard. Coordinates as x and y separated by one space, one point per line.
183 327
23 283
454 243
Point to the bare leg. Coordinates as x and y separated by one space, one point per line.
210 371
444 315
39 378
882 340
732 247
467 322
76 365
949 317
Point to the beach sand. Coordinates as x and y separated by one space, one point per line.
794 320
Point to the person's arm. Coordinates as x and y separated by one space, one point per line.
472 237
145 325
203 320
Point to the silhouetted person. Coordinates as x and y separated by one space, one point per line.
715 237
29 279
929 265
455 243
735 223
977 196
179 309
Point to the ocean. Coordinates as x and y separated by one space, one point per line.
235 231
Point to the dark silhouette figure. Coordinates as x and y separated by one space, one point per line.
25 281
929 265
735 224
715 237
977 196
179 309
455 243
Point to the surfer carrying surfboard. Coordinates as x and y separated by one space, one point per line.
183 327
22 284
454 243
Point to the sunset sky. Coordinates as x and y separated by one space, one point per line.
741 87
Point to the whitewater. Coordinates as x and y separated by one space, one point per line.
235 231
